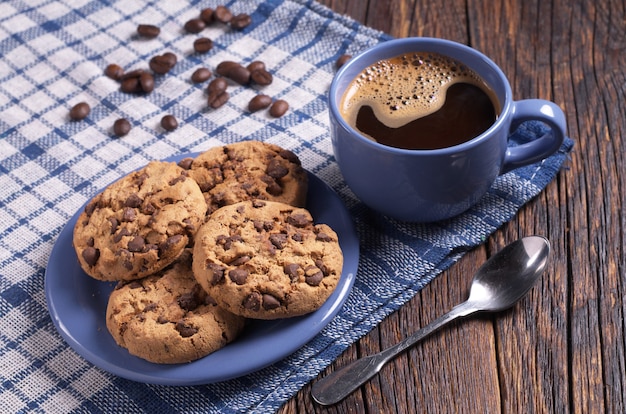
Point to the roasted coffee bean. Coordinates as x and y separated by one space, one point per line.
342 60
80 111
148 31
202 45
222 14
279 108
146 82
170 58
218 99
195 25
255 65
169 122
132 74
114 71
206 15
261 77
217 85
239 74
259 102
130 85
240 21
121 127
224 67
160 65
201 75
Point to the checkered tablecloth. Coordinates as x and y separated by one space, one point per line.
53 53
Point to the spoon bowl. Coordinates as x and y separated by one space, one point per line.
494 287
498 284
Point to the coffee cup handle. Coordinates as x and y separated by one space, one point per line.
541 147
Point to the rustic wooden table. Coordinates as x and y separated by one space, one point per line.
563 347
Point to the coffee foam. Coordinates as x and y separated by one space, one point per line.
406 87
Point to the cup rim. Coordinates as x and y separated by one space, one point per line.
354 61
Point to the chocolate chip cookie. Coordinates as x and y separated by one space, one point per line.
139 224
266 260
168 318
248 170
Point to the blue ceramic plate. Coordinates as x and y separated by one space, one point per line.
77 304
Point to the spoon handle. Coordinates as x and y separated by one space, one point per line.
339 384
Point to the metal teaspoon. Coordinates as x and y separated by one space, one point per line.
498 284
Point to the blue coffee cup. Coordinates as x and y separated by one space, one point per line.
436 184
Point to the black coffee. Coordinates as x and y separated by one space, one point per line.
419 101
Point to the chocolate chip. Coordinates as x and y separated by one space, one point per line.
122 233
114 223
162 319
273 187
222 14
259 102
128 214
324 237
239 261
270 302
240 21
298 220
185 330
297 237
322 266
217 272
261 77
133 201
195 25
190 300
289 156
114 71
263 225
121 127
252 301
202 45
185 163
80 111
239 276
313 276
278 240
148 31
206 15
150 307
169 122
201 75
91 255
136 245
279 108
170 242
276 169
342 60
291 270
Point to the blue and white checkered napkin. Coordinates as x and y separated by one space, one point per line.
53 56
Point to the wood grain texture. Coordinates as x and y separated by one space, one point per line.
563 347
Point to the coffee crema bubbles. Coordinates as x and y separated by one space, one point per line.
420 100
